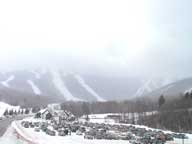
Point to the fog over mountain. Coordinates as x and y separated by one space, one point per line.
101 36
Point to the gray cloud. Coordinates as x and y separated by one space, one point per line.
146 38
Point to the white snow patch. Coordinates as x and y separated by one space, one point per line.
9 137
37 75
60 85
6 82
34 87
148 86
88 88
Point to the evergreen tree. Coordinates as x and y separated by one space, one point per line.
15 112
22 111
161 100
27 111
187 95
6 112
19 112
11 112
86 111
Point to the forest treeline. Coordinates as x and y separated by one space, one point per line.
172 114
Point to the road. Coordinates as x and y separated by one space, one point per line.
5 123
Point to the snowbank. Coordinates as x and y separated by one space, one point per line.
4 107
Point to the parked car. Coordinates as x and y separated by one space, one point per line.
79 133
87 136
61 133
50 132
37 129
26 125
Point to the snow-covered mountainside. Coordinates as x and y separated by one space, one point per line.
175 89
151 85
58 84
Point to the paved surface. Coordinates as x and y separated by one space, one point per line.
6 122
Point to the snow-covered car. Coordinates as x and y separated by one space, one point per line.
79 133
74 128
50 132
37 124
88 136
37 129
61 133
25 124
82 129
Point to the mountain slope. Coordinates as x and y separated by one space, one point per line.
174 89
58 84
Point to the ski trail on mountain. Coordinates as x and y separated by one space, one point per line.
88 88
34 87
6 82
60 85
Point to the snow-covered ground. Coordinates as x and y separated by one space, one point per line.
6 82
4 107
102 118
10 138
34 87
42 138
88 88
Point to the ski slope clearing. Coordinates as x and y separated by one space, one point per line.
34 87
60 85
6 82
148 86
88 88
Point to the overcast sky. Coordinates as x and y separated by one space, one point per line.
132 37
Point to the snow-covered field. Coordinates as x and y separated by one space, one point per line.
10 138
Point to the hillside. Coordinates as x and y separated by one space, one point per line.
58 84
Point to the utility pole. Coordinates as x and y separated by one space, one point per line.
183 139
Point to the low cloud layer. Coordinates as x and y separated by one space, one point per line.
137 37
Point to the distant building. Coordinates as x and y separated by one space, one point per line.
44 114
54 112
